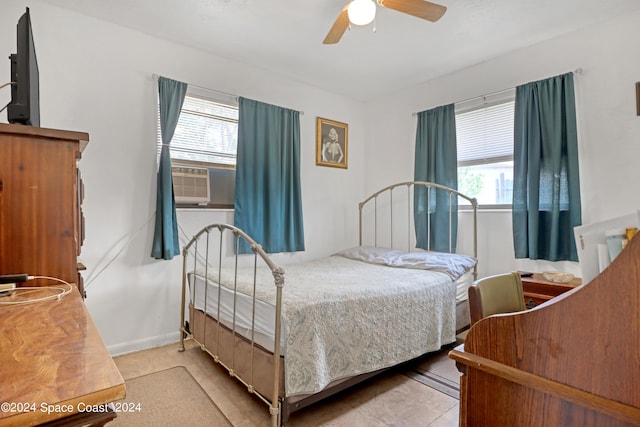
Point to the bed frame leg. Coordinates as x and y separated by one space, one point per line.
181 345
284 412
275 415
184 333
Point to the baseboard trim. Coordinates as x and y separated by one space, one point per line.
143 344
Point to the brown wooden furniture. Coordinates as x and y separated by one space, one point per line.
573 361
41 224
53 359
538 290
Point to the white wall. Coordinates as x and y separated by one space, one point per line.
609 130
97 77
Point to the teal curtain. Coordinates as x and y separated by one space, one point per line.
165 239
268 202
546 181
436 161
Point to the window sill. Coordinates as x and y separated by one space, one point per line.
203 209
506 209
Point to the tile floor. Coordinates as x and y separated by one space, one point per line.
391 399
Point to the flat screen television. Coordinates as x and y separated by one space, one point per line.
24 107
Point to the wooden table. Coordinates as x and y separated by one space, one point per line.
54 365
537 289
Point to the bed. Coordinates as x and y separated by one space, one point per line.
297 333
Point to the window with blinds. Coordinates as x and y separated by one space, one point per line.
207 133
484 134
205 143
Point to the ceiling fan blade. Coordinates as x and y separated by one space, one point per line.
419 8
338 28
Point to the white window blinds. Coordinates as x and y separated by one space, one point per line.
207 132
485 133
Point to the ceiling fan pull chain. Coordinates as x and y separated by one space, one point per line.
374 25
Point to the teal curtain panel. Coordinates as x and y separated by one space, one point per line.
268 196
165 238
546 180
436 161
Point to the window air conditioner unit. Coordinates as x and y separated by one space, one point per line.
191 185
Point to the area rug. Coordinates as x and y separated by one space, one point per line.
167 398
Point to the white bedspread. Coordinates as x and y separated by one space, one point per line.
346 317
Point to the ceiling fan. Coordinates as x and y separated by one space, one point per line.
362 12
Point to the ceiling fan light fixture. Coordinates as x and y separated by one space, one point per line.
361 12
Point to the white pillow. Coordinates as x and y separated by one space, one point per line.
454 265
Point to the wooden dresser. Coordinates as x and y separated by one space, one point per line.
41 223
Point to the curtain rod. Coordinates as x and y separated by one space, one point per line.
576 71
156 77
236 97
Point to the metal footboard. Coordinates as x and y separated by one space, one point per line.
201 257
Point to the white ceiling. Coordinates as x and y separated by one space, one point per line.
285 36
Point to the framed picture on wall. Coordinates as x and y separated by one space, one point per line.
332 140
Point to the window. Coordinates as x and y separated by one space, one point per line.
484 134
203 150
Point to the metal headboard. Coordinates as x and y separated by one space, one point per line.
410 186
